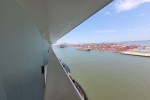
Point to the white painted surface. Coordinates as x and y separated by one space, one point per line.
21 54
58 17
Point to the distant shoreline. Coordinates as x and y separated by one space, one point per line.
135 50
132 53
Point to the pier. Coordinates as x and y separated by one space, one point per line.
136 53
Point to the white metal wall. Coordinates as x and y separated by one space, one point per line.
21 55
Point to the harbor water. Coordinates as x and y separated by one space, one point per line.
108 76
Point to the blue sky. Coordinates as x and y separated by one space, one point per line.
121 20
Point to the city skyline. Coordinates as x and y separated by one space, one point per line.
122 20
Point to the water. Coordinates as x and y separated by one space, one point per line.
108 76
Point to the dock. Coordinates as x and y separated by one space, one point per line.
142 54
84 49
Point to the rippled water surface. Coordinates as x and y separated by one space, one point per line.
108 76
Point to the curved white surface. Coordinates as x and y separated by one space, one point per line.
58 17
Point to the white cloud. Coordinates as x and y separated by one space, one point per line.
147 29
148 24
140 15
125 5
133 29
137 29
107 13
105 31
